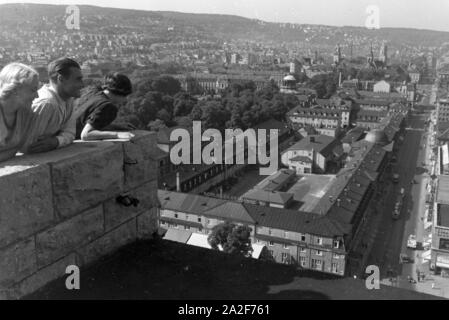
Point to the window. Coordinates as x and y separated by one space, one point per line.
271 243
187 217
163 223
176 215
285 257
285 246
334 267
199 219
303 249
303 238
335 256
319 240
319 252
303 261
285 234
317 264
186 227
336 244
175 226
269 232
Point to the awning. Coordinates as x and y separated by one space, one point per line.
180 236
442 261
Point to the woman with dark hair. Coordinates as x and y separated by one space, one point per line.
98 106
18 88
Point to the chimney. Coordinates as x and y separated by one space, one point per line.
178 183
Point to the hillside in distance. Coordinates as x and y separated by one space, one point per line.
188 26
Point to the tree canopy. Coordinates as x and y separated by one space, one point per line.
232 238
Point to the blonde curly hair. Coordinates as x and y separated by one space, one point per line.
13 76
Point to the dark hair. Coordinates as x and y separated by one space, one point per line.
118 84
62 67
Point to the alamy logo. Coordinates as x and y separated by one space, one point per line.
373 280
72 21
373 19
73 280
255 151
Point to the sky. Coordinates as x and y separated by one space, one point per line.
419 14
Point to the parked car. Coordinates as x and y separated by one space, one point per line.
411 241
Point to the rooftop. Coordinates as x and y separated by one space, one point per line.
276 181
443 189
319 143
353 135
443 215
268 196
186 202
309 189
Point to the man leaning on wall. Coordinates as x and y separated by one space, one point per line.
54 122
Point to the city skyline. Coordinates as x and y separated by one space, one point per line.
397 14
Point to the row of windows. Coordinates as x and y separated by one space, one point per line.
318 240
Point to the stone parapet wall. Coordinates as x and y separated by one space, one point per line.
59 208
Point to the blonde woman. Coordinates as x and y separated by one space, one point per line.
18 88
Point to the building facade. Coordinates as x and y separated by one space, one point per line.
292 237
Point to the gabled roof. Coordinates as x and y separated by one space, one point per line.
297 221
186 202
353 135
321 144
268 196
234 211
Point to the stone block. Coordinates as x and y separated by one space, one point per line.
43 276
116 213
26 204
140 165
58 241
147 224
17 262
108 243
86 180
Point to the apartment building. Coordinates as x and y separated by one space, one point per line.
440 230
292 237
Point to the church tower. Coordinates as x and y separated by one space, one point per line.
383 54
337 55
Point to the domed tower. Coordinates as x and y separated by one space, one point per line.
288 84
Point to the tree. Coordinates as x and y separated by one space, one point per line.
214 115
156 125
183 104
231 238
166 84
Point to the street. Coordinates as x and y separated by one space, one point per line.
390 236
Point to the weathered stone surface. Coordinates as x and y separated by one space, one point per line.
108 243
116 213
140 166
63 238
25 201
45 275
17 262
87 180
147 224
